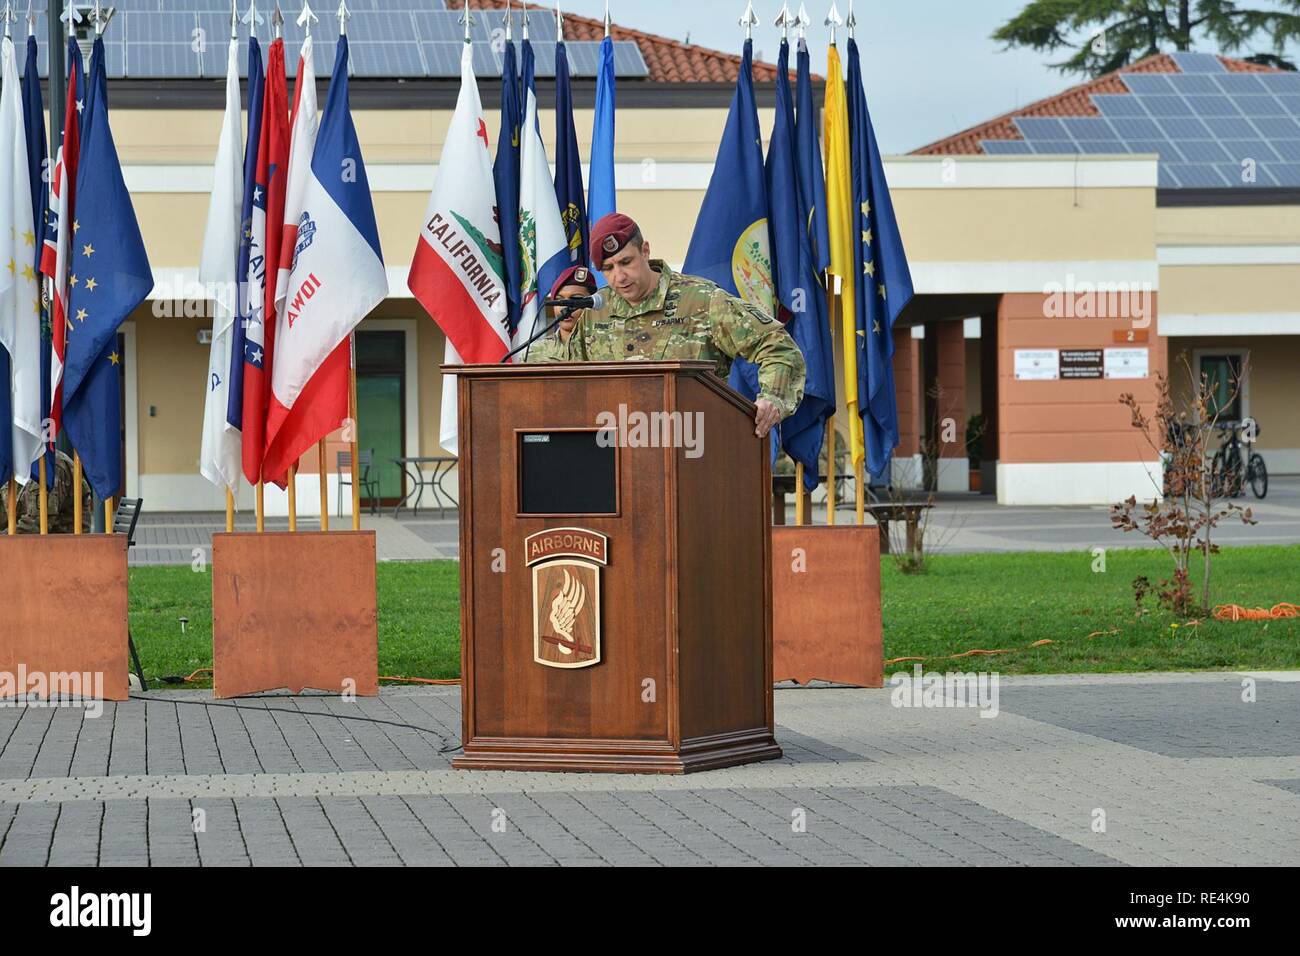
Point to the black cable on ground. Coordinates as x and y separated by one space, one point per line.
300 713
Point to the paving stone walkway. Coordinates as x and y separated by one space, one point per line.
1181 769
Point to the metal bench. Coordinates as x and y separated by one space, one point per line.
124 522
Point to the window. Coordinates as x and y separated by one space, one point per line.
1222 375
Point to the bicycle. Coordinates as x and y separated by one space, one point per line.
1231 469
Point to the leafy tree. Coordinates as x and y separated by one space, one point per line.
1105 35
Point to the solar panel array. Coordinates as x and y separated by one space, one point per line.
189 39
1211 128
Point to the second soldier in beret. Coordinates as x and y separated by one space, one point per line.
656 314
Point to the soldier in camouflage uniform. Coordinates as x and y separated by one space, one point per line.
653 313
59 502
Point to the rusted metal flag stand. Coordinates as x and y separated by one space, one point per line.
826 619
299 609
64 631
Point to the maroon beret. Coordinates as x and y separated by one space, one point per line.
574 275
610 234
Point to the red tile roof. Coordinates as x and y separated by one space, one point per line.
669 60
1076 101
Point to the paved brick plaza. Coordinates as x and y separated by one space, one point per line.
1185 772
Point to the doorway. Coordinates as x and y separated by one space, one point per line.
381 408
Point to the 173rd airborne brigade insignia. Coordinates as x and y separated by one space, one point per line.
566 565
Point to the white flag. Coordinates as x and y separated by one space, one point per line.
544 245
220 459
457 272
20 299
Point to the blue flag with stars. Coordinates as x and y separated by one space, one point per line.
884 280
239 338
112 277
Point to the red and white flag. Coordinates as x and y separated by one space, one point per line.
57 252
457 273
264 261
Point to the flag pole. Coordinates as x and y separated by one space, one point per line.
344 15
798 493
293 496
830 423
324 487
43 495
230 511
11 506
261 506
353 446
76 492
108 516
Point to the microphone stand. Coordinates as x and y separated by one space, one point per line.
566 313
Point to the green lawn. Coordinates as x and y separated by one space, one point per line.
989 601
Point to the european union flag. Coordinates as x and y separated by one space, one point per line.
505 173
252 193
110 276
884 280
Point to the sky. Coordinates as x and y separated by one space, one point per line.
930 67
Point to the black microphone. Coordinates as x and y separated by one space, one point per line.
568 307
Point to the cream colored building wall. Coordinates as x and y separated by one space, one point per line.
1271 394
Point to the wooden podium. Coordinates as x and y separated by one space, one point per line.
616 580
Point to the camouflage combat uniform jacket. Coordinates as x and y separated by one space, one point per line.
686 318
59 502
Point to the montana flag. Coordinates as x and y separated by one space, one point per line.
457 271
544 247
56 256
113 277
840 218
219 455
20 297
731 245
248 301
264 259
568 165
505 174
885 281
336 277
601 194
38 167
799 293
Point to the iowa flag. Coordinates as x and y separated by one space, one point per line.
457 272
335 277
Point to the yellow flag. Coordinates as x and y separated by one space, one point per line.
839 221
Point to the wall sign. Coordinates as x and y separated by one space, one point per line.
1127 363
1081 363
1037 364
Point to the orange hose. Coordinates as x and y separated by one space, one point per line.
1235 612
